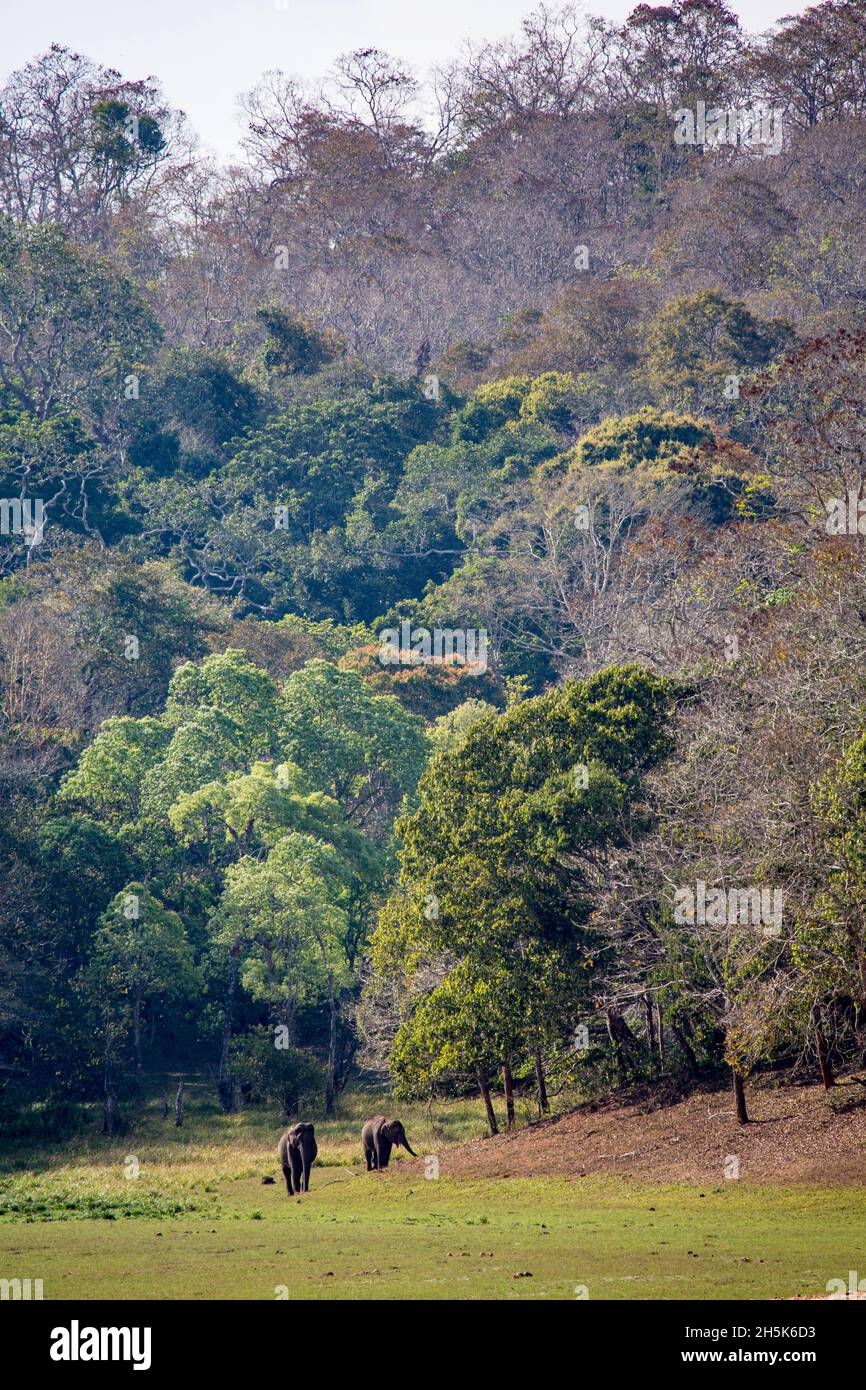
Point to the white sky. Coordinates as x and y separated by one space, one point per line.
205 52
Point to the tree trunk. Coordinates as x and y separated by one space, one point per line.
821 1045
650 1026
739 1097
226 1086
110 1121
136 1032
331 1080
691 1059
110 1117
543 1103
660 1033
508 1087
624 1042
290 997
291 1028
347 1047
484 1088
286 1018
178 1105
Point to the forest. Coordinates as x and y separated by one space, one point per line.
432 617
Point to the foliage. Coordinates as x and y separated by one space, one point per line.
265 1073
543 372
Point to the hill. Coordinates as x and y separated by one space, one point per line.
796 1135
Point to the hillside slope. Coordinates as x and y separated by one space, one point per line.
796 1134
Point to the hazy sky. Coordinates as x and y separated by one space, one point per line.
207 51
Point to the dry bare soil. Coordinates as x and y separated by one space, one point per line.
796 1134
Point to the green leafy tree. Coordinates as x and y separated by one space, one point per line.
293 345
366 750
110 772
290 912
696 343
495 861
266 1070
230 684
142 959
72 327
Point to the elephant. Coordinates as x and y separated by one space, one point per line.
297 1149
379 1136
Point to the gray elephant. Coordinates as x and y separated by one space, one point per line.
297 1149
379 1136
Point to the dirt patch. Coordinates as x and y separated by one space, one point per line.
797 1134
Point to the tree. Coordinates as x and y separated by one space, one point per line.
293 345
291 910
72 328
265 1072
449 728
559 558
554 69
427 687
458 1031
141 958
811 65
669 55
697 343
120 628
231 685
288 520
77 141
494 864
365 749
109 775
833 933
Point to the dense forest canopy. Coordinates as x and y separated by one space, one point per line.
552 364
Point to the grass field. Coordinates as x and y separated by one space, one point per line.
196 1222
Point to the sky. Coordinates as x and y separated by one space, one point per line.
206 52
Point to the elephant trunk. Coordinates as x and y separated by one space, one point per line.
408 1147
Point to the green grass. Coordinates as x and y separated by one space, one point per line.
198 1223
395 1235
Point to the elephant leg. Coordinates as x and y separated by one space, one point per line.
307 1166
284 1164
297 1170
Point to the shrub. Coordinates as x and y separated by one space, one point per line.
266 1073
